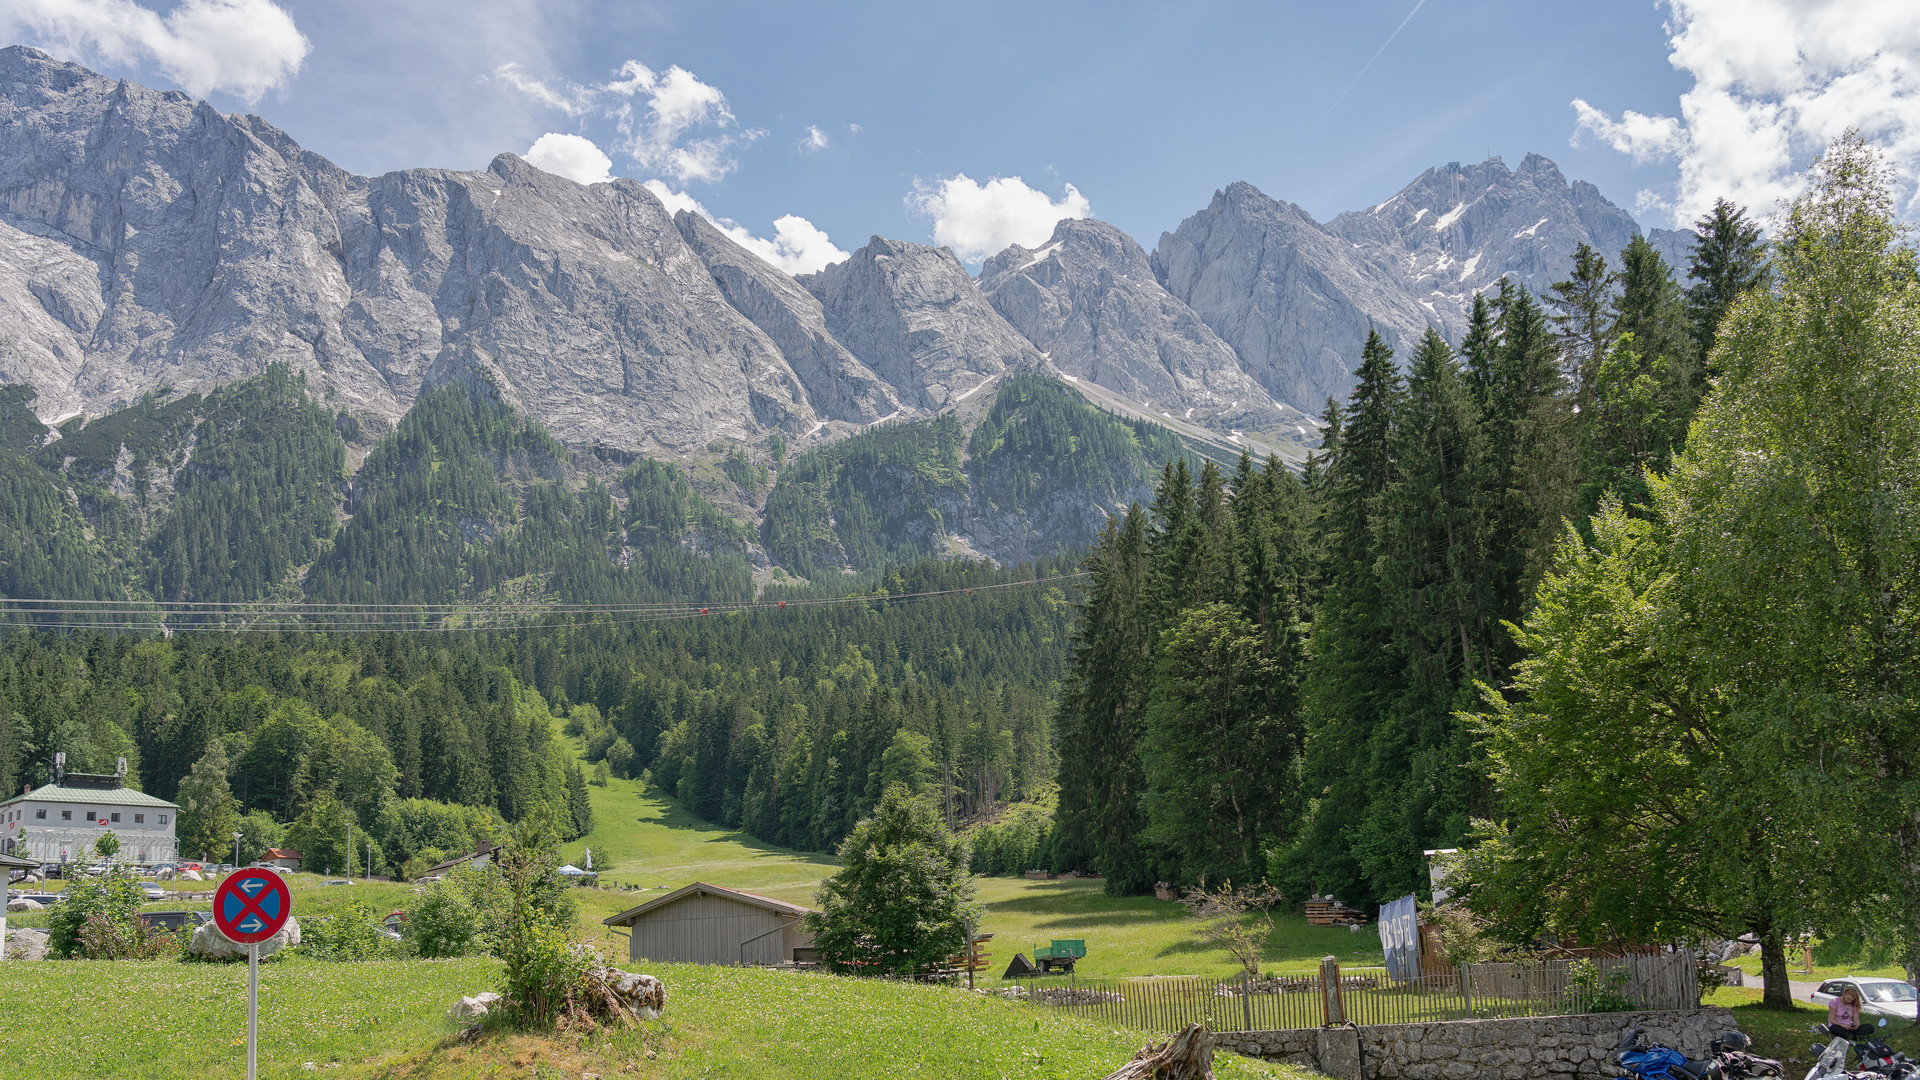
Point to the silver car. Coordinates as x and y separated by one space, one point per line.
1878 997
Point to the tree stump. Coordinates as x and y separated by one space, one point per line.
1189 1056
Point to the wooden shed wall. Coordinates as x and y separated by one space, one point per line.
709 930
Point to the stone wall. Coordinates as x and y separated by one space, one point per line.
1567 1047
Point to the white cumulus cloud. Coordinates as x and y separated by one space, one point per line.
814 139
977 220
572 156
668 122
798 246
241 47
1773 82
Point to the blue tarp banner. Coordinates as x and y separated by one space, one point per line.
1400 937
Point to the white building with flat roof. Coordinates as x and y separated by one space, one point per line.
59 822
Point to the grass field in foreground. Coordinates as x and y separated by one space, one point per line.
387 1020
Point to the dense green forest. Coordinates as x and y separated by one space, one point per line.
785 723
1270 675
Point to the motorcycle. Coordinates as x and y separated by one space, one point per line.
1733 1051
1876 1058
1662 1062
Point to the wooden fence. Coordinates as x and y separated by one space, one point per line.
1365 995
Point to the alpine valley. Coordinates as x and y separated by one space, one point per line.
236 372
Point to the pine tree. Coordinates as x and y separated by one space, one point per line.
1729 258
1102 709
1352 681
1583 317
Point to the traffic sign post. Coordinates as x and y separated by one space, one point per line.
250 907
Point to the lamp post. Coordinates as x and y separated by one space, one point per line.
236 851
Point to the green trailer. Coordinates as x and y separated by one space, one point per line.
1060 955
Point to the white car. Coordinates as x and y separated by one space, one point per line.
1878 997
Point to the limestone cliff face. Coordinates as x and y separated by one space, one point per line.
914 316
146 240
149 241
1296 298
837 383
1293 300
1089 301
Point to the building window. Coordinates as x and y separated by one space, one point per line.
89 815
139 819
66 815
40 814
163 819
116 817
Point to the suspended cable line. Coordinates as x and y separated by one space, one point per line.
170 617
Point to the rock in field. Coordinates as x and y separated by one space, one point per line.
209 943
475 1007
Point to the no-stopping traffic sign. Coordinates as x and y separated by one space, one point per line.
251 906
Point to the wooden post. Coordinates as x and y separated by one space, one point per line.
1246 999
1466 988
1332 1007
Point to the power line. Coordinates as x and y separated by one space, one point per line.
235 616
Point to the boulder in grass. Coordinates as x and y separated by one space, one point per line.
475 1007
644 995
26 945
21 903
209 943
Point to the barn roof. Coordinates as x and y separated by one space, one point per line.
701 888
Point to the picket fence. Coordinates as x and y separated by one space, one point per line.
1366 996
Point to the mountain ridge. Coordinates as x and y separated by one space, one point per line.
148 241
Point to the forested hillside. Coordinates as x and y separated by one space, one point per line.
785 723
1270 675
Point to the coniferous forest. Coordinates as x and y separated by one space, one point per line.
1273 674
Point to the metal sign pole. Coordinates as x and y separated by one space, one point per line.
253 1008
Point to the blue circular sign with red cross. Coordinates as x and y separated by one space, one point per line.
251 906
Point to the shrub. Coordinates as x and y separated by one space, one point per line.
353 934
114 896
444 922
1238 920
1603 995
546 975
103 938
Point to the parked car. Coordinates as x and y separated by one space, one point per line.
337 881
151 891
1878 996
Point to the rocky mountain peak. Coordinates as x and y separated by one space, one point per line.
1089 300
913 315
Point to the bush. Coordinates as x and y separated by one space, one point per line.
353 934
103 938
444 923
1603 995
546 975
114 896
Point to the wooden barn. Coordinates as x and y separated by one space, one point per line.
706 924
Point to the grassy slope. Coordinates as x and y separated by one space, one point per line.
648 840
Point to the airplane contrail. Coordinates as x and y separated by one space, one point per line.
1418 4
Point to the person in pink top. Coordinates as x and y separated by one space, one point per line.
1843 1015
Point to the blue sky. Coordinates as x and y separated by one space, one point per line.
858 118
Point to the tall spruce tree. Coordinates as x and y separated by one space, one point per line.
1352 682
1583 317
1102 709
1728 259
